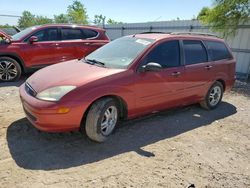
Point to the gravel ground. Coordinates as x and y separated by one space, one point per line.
175 148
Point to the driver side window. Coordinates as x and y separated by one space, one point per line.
166 54
40 35
50 34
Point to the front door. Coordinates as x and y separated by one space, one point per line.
165 88
44 51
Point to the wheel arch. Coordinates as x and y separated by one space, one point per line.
223 83
17 58
121 104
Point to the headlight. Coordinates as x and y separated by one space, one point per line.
54 93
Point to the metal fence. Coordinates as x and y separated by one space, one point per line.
240 44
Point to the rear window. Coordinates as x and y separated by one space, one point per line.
194 52
71 34
217 50
88 33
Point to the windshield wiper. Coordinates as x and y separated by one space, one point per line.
94 61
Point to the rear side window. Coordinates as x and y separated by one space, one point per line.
71 34
52 34
217 50
88 33
166 54
194 52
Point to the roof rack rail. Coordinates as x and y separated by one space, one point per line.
151 32
194 33
156 32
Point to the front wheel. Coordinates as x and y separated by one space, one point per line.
213 97
101 119
10 69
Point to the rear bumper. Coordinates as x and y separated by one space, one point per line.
45 117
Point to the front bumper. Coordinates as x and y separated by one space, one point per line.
45 117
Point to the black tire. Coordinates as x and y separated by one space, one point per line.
14 71
95 118
207 102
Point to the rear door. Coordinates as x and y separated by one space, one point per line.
198 69
77 43
70 40
91 42
223 63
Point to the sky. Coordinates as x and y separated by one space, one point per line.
127 11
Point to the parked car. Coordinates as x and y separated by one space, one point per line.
127 78
10 31
39 46
2 35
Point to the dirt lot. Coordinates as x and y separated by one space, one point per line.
171 149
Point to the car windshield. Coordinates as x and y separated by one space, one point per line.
22 33
119 53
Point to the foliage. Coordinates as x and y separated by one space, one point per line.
61 18
26 20
99 19
77 13
226 15
6 26
40 20
203 13
110 21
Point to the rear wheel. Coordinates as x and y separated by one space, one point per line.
213 97
10 70
102 119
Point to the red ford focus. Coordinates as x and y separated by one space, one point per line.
129 77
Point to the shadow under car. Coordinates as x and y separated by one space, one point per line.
32 149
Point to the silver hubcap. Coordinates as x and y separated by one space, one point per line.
215 95
8 70
109 120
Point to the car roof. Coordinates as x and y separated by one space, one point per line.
188 35
70 25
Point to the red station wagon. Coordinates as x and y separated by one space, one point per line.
127 78
39 46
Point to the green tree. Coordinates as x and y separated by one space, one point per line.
40 20
77 13
226 15
111 22
99 19
61 18
203 13
26 20
5 26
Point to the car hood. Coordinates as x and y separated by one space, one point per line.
75 72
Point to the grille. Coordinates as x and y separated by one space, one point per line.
30 90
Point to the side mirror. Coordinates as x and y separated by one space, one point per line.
154 67
33 39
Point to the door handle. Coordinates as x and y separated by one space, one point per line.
208 67
176 74
87 43
55 44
